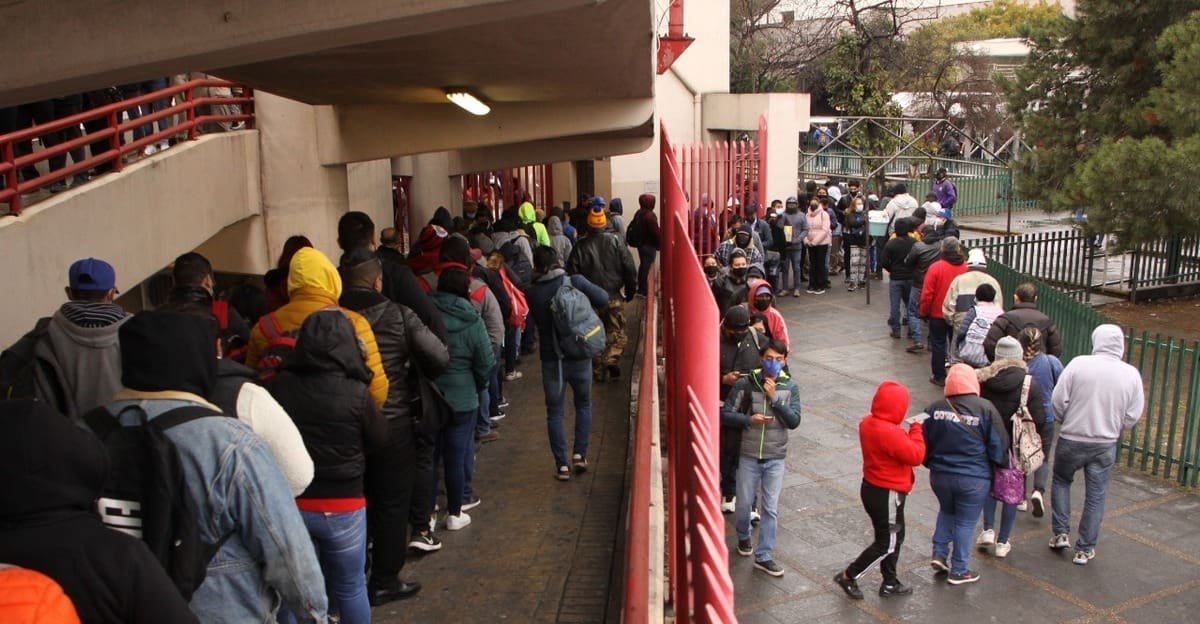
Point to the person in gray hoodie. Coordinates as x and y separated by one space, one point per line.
1097 397
558 239
794 225
79 358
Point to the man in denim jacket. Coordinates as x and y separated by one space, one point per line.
169 361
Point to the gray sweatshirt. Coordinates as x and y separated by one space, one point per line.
1098 395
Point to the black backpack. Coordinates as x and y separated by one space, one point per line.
633 232
518 265
18 363
146 496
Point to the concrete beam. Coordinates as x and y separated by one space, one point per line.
62 46
367 132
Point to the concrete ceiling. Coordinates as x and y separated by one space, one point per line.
601 50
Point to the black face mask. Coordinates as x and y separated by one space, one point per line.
711 270
792 209
742 241
739 274
761 304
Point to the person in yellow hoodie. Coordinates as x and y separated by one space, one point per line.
314 284
528 215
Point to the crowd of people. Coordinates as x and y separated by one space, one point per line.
1009 403
22 116
352 394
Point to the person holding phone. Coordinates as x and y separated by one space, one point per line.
764 405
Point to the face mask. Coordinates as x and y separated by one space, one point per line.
778 211
762 304
792 208
858 207
711 270
739 273
772 368
742 241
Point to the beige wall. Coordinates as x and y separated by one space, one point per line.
787 117
138 220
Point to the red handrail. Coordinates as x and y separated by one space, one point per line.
637 546
10 165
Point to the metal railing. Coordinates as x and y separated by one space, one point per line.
701 589
1166 442
638 577
499 189
719 178
116 124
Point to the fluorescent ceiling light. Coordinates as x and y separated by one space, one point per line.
467 101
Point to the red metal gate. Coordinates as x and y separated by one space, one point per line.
719 179
501 189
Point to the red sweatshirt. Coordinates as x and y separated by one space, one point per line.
889 452
937 283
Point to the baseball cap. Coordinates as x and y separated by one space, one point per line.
737 317
92 274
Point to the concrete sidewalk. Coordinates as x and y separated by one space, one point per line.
1147 567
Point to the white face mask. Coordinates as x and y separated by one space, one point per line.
858 207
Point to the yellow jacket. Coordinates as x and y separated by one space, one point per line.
314 284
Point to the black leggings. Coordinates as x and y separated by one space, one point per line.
886 509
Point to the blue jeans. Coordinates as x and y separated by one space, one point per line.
1007 517
456 452
1096 461
939 338
1043 471
898 294
960 500
578 374
751 475
340 540
793 263
914 311
483 416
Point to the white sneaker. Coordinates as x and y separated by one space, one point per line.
513 376
1002 549
150 150
455 523
1023 506
755 518
471 504
986 539
1039 504
1060 541
728 504
432 521
163 145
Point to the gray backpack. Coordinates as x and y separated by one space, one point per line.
578 331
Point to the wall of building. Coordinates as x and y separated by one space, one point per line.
138 221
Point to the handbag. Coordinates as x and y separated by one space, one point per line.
1008 483
433 411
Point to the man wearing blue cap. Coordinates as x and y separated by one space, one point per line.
78 359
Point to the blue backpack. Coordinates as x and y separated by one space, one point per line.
579 333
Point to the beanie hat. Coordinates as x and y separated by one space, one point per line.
976 258
1008 348
598 202
961 379
163 350
596 218
737 317
646 201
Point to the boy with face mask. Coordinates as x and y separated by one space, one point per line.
764 405
730 289
762 301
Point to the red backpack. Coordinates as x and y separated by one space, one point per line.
520 307
279 344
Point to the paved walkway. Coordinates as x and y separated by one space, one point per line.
537 550
1147 567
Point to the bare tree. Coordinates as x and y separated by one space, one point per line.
771 42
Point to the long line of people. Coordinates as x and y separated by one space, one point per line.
354 392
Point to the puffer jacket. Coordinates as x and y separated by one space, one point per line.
528 215
314 284
403 341
606 262
964 434
1012 322
1000 382
30 597
770 439
740 355
820 231
960 297
471 358
920 257
323 386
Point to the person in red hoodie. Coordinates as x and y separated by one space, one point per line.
762 301
889 455
937 283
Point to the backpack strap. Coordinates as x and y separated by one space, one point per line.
221 311
101 422
269 325
1024 393
181 415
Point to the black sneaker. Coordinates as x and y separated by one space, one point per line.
937 382
770 567
894 589
425 542
848 585
744 547
969 576
614 371
939 565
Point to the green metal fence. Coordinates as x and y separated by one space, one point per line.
1065 259
1166 441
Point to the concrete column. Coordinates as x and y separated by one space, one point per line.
566 185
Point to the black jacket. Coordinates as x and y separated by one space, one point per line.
53 472
1001 384
740 355
495 284
922 255
323 387
894 253
231 376
605 261
403 341
400 285
1012 322
729 293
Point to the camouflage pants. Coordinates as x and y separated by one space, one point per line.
613 316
